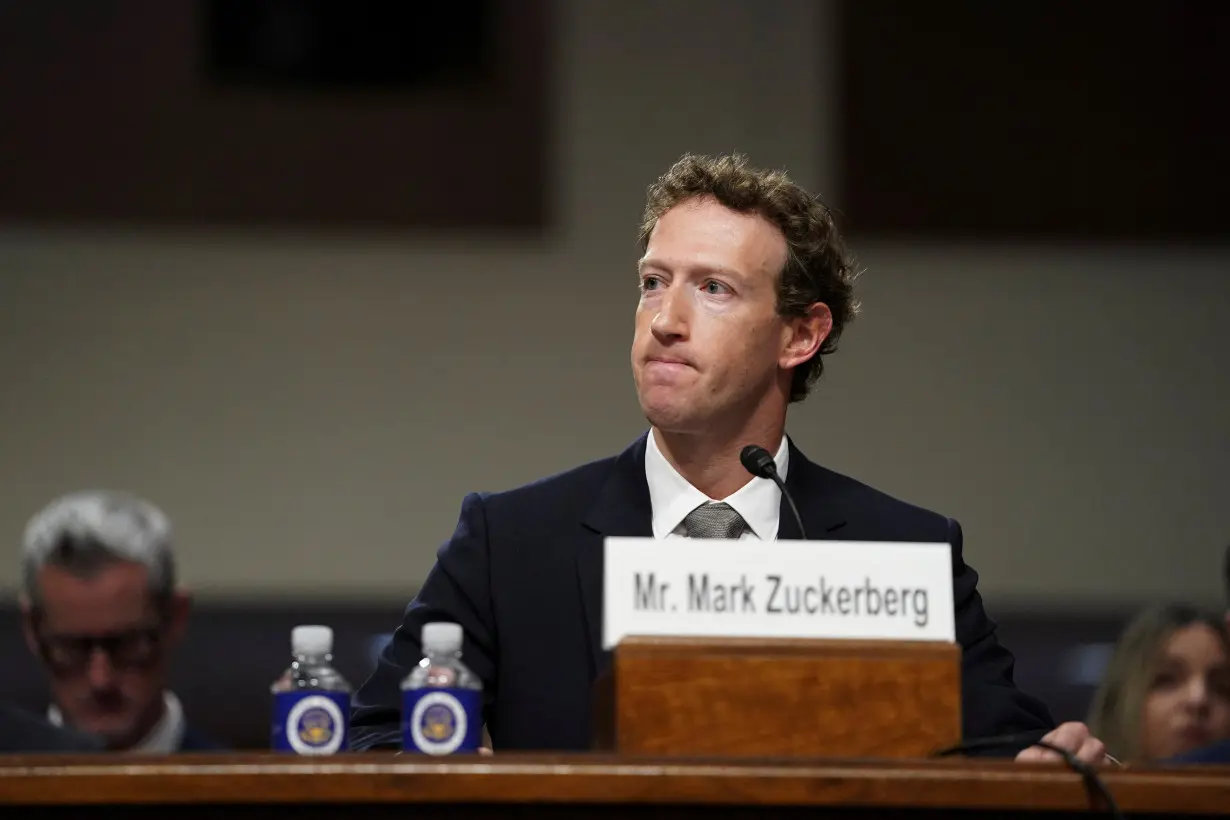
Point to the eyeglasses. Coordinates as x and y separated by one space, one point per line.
127 649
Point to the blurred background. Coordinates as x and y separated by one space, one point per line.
305 273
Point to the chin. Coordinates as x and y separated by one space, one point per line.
673 418
113 736
107 723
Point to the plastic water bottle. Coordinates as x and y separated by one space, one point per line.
441 699
311 700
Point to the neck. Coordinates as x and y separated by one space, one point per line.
709 462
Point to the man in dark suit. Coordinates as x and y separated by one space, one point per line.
23 733
744 285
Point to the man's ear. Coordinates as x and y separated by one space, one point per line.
805 334
28 627
178 608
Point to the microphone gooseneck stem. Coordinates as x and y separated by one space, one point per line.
798 519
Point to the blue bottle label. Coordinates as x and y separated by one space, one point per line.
441 721
311 722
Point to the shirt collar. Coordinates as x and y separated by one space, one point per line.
671 497
165 737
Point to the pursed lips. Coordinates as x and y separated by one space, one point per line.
668 360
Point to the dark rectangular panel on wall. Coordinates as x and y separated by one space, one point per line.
1048 119
348 45
258 113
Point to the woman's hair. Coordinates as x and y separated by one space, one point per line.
1118 705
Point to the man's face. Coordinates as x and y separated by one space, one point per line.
104 644
709 345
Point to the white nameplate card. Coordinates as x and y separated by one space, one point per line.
691 587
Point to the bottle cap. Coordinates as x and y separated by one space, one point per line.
444 638
311 640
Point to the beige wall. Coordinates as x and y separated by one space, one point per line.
311 409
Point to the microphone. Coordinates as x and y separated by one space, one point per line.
757 461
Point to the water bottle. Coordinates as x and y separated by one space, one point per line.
311 700
441 699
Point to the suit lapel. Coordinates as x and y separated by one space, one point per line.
816 496
621 509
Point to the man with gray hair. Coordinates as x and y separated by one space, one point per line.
101 611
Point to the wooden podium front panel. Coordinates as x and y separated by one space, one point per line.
378 786
746 698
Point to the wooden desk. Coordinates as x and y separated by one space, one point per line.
591 786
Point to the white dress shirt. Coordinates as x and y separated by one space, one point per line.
164 737
671 497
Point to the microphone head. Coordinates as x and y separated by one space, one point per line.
757 461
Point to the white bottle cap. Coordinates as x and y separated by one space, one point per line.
444 638
311 640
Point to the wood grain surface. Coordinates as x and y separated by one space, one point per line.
589 781
751 698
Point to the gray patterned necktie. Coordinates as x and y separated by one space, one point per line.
714 519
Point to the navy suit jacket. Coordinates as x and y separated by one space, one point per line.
194 741
522 574
22 732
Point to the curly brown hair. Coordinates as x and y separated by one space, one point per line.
817 269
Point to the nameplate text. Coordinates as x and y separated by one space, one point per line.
777 589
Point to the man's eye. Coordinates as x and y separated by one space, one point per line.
715 288
650 283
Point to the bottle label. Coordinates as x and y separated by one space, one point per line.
311 722
441 721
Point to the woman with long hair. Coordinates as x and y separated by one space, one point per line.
1167 688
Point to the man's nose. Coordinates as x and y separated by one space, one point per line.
671 320
101 671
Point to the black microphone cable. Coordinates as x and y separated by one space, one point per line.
1093 781
757 461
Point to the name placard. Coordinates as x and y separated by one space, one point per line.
780 589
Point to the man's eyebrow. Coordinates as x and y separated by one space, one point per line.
711 270
719 270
